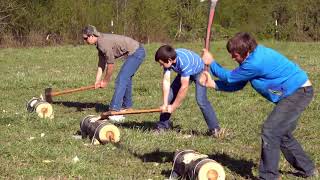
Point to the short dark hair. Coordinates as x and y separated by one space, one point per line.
241 43
165 53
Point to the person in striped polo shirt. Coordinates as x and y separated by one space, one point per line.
188 65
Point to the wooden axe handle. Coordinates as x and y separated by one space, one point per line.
72 90
105 115
210 21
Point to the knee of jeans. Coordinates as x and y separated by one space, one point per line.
269 138
121 80
202 102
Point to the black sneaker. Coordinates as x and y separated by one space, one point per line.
217 133
158 131
314 174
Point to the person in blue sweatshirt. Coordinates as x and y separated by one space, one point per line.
279 80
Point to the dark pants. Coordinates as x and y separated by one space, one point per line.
202 100
122 97
277 135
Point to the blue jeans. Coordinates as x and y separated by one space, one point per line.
122 97
277 136
202 100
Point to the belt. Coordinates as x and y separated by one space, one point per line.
305 89
306 86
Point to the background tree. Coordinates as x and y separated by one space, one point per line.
43 22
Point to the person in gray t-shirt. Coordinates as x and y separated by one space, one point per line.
110 48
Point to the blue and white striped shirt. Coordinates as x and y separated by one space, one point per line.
187 63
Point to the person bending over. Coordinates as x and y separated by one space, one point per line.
280 81
188 66
112 47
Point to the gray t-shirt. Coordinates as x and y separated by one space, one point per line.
112 46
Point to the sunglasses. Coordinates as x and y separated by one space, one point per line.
87 36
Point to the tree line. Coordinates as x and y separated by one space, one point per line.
43 22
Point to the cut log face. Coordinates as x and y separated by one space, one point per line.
109 133
212 175
101 130
44 110
211 171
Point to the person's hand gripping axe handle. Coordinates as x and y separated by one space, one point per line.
213 4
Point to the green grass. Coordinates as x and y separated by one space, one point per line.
25 73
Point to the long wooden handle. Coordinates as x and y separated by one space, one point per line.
213 4
105 115
72 90
210 21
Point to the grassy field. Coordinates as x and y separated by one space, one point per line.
34 148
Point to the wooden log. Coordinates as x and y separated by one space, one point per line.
99 131
41 107
189 164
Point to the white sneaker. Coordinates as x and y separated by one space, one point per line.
117 118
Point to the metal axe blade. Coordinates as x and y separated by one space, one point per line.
48 95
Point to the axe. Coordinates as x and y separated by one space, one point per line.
49 93
105 115
213 4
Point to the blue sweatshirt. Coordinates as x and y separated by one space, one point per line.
270 73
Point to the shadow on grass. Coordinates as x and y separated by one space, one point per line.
149 126
144 126
157 157
189 132
99 107
241 167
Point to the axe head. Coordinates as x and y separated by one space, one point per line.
213 3
47 95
